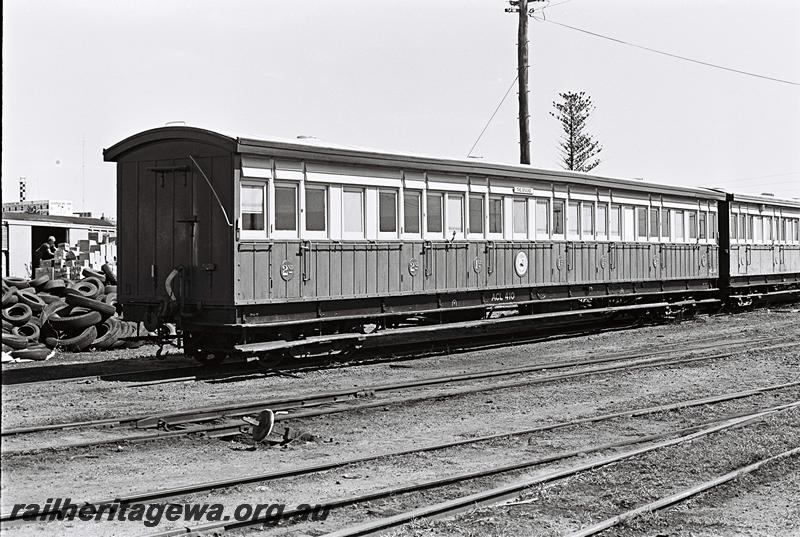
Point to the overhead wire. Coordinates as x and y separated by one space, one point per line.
663 53
492 116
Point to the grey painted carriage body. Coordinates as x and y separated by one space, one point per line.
765 246
170 217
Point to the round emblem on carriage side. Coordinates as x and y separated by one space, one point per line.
477 265
287 270
603 261
560 262
413 267
521 264
655 262
703 261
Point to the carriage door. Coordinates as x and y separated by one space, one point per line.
174 220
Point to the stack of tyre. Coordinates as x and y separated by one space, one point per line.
44 314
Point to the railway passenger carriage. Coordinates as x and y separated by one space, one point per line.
762 241
242 240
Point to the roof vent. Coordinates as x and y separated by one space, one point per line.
175 124
768 194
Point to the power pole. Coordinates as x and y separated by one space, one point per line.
521 8
522 70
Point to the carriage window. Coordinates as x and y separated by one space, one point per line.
758 229
614 221
542 217
520 214
767 228
665 223
641 220
750 219
285 208
434 220
495 214
678 221
476 214
692 225
411 211
316 218
573 218
703 216
455 213
783 228
387 211
252 203
602 214
653 223
353 212
712 225
796 230
558 217
587 218
742 226
733 227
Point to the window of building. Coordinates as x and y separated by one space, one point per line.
316 205
573 219
692 225
253 208
495 214
520 217
641 222
387 211
558 217
455 213
542 218
587 219
615 222
433 201
602 220
476 214
411 211
285 208
702 221
353 213
678 225
653 223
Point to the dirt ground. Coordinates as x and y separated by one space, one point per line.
761 504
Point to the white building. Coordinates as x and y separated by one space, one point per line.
23 233
47 207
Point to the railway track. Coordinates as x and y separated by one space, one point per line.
491 496
305 406
173 492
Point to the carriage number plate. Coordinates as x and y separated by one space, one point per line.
502 297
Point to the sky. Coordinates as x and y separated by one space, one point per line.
417 76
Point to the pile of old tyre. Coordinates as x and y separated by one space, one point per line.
44 314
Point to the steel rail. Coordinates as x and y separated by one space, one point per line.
231 429
491 496
672 499
161 494
221 411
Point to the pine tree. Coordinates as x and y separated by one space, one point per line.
577 147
